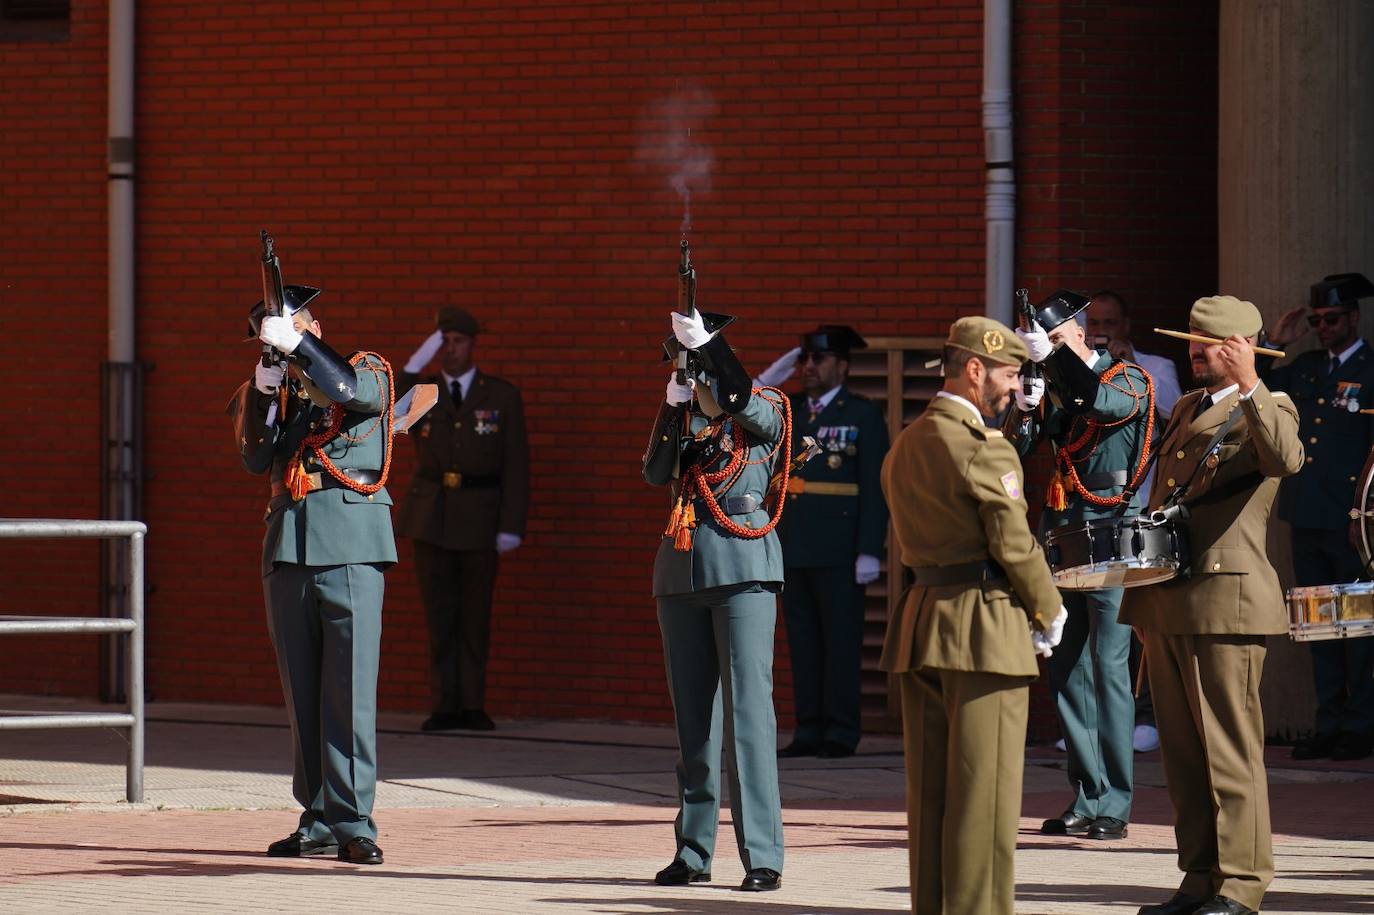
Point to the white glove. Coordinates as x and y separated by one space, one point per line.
268 378
679 393
1028 402
426 353
865 569
780 371
280 332
506 542
1044 642
1037 341
690 330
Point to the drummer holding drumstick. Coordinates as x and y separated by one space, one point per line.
1099 416
1221 457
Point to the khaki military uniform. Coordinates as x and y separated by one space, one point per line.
1205 636
960 642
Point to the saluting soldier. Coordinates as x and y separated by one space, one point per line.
466 505
1330 386
322 435
716 576
1223 453
832 535
1099 420
964 640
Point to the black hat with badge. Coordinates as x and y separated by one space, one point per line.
293 299
1340 290
832 338
714 324
1061 306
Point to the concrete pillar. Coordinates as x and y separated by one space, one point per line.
1295 181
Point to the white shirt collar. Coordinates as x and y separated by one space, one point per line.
1224 393
957 399
464 380
1348 351
1092 358
824 400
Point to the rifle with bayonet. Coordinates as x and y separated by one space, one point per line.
272 296
1019 426
686 304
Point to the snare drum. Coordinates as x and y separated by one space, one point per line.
1331 612
1116 553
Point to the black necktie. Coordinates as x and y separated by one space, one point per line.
1333 365
455 390
1203 403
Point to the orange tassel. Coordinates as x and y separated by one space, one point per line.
296 482
674 520
682 542
1056 499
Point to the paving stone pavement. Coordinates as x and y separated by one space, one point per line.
571 817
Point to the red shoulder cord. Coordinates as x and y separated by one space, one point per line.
296 479
710 487
1085 444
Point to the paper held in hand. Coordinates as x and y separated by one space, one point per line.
414 405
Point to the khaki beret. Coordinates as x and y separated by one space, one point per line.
459 320
987 339
1224 315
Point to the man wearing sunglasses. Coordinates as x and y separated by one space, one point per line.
832 535
1330 386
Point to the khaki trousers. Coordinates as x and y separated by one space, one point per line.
965 736
1211 736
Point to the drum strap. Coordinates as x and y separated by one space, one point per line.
1176 496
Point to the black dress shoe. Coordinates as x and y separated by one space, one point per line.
1318 746
1107 828
680 873
360 850
442 721
1180 904
795 749
1222 905
832 750
1352 746
1067 823
761 879
474 719
298 846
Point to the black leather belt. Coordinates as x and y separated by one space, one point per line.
1104 480
318 479
740 505
965 573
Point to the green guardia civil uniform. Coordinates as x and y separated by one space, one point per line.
1205 633
960 639
835 511
717 611
322 563
1089 671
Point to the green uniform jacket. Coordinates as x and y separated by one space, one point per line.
483 438
1118 449
330 526
955 491
826 530
718 558
1232 589
1335 439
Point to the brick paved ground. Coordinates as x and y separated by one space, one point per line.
567 817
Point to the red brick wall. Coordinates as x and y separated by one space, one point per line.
514 158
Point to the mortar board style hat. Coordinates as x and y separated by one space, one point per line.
293 299
1061 306
1340 290
832 338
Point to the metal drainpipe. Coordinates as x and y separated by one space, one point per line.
1000 195
121 495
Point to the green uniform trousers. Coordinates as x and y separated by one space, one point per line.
1090 680
326 626
718 649
965 736
1211 736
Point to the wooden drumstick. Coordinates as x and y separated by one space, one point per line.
1200 338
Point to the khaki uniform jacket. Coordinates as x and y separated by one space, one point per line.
483 438
955 490
1232 588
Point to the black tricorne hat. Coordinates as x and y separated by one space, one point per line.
1061 306
714 323
832 338
293 299
1340 290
